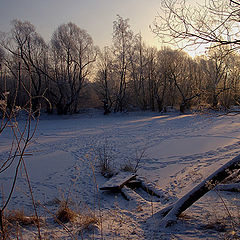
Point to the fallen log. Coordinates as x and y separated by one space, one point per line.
171 213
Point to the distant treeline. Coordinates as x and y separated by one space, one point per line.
70 72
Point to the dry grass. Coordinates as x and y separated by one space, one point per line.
133 164
219 225
105 161
106 169
53 202
185 217
128 167
84 221
19 217
87 221
224 221
15 221
65 214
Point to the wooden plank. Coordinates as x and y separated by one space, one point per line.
118 181
150 189
133 184
131 195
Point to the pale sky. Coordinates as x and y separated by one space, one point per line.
95 16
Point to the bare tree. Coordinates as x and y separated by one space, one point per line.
26 59
104 80
217 22
1 57
138 63
177 74
1 66
217 68
232 97
22 135
151 75
122 44
163 84
73 54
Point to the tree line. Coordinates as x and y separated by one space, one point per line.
70 72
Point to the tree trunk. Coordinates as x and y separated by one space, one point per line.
160 104
215 101
1 226
172 212
183 107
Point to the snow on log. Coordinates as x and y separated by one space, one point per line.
118 181
172 212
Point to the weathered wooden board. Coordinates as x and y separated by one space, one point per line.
133 184
131 195
118 181
150 189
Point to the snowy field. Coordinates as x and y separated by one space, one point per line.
178 151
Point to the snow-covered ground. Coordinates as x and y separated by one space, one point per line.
178 152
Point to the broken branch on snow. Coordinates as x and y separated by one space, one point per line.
172 212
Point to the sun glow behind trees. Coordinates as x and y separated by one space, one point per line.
213 24
94 16
129 72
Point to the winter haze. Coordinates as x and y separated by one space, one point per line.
96 16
